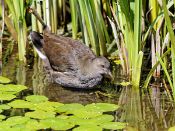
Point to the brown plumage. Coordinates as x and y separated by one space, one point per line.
70 62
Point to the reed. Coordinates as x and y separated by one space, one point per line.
172 38
17 10
128 18
92 24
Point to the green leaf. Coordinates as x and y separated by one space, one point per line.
2 117
85 113
69 108
4 80
113 125
53 104
80 121
16 120
39 114
36 98
88 128
171 128
101 107
58 124
35 125
21 104
5 128
4 107
102 119
7 97
43 106
13 88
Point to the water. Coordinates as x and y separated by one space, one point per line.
148 110
39 83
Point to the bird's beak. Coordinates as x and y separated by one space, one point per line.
109 75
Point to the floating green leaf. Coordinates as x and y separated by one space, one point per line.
43 106
58 124
4 107
5 128
36 98
21 104
171 128
113 125
80 121
35 125
53 104
85 113
13 88
7 97
16 120
4 80
102 119
88 128
101 107
2 117
69 108
39 114
63 117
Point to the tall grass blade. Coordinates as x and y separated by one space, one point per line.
74 11
165 70
172 38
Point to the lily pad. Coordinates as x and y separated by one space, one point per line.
39 114
88 128
13 88
36 98
2 117
113 125
171 128
35 125
7 97
53 104
80 121
21 104
43 106
57 124
4 80
102 107
63 117
102 119
5 128
84 113
16 120
69 108
4 107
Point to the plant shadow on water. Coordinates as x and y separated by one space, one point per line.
143 110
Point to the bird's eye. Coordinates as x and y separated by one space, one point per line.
102 66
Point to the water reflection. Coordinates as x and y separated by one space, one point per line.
146 110
40 83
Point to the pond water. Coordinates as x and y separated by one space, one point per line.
149 110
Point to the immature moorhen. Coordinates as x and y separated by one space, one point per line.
70 62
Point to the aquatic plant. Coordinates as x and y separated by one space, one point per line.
128 19
43 114
17 9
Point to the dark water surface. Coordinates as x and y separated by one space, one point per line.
149 110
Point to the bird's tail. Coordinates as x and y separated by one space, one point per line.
38 42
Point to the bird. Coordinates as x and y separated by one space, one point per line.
69 62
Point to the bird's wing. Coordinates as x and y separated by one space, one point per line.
60 54
80 48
